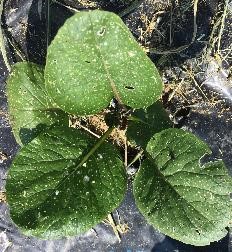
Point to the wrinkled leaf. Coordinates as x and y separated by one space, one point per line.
143 124
50 196
29 106
94 58
177 195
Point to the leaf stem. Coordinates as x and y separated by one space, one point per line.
96 146
133 5
73 10
135 158
2 42
48 23
222 25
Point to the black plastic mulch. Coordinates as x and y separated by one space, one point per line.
25 24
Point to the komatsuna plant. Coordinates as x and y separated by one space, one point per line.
64 181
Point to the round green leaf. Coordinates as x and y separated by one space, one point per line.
94 58
29 106
52 195
177 195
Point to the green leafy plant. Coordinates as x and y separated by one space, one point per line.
64 181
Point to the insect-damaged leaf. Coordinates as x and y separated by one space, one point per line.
143 124
50 196
29 106
177 195
94 58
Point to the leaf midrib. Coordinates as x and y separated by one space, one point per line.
34 96
111 81
173 188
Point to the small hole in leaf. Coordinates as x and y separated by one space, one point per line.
129 87
101 31
87 61
171 154
198 231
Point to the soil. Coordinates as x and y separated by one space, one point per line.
194 57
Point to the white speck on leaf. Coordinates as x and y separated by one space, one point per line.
86 178
131 54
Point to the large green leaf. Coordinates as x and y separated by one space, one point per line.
29 106
177 195
144 123
51 195
94 58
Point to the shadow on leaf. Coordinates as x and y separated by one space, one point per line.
143 124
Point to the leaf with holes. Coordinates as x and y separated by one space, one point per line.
177 195
94 58
143 124
29 106
52 193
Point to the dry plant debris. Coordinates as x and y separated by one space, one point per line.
2 197
97 126
3 157
118 228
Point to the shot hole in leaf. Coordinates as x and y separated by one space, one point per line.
171 154
198 231
101 31
129 87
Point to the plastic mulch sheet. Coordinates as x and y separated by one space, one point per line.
205 109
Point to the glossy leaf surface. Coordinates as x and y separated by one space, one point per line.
51 194
94 58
